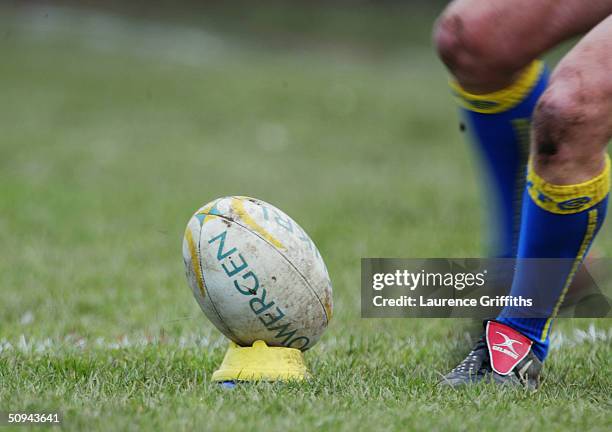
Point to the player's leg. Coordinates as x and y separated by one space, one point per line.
563 209
490 47
486 45
569 176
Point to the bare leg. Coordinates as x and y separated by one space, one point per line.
485 44
573 120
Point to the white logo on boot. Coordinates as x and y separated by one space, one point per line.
507 346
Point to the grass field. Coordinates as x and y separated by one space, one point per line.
114 131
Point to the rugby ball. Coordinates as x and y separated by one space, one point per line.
256 274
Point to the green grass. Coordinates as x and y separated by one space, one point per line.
113 135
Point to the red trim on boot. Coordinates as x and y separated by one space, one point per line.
507 347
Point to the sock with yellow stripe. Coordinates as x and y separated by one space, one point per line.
557 222
498 125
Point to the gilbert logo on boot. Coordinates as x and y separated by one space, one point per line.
507 347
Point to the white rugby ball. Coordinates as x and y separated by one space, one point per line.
256 274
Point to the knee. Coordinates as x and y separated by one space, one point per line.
469 45
571 123
558 111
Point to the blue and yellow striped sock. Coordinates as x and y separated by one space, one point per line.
498 124
557 222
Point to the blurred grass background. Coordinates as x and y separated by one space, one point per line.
118 128
119 120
